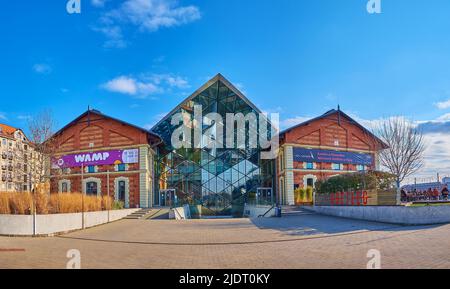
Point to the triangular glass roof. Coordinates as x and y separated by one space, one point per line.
207 97
217 95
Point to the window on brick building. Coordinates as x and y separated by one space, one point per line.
121 167
64 187
360 168
91 188
309 166
337 167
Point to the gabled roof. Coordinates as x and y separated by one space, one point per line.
218 77
342 114
7 131
97 112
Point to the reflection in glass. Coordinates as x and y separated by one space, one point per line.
213 181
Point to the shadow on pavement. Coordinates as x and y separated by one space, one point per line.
310 224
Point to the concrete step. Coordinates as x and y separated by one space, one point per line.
138 215
159 214
294 211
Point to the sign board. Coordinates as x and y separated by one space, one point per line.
328 156
112 157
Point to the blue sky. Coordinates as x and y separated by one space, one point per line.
137 59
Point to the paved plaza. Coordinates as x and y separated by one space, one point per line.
307 240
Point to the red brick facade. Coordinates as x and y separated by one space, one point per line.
333 131
94 132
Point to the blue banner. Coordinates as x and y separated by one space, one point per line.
327 156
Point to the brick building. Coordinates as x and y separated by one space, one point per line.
326 146
97 154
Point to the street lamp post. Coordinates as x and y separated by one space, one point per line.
108 199
82 196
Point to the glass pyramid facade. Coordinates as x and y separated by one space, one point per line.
213 181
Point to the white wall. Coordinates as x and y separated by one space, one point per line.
396 214
18 225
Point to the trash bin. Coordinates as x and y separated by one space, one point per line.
278 212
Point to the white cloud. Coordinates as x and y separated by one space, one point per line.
23 117
121 84
131 86
3 116
170 80
445 117
98 3
290 122
144 86
437 154
42 68
151 15
146 15
437 140
114 36
443 104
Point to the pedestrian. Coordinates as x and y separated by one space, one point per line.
445 193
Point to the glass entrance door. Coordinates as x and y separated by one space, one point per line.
167 198
264 196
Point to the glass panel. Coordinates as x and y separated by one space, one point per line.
213 181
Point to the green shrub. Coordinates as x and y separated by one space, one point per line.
118 205
362 180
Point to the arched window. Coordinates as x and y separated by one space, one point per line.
121 190
64 187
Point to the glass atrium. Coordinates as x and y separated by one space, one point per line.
214 181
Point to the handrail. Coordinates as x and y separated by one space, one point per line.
178 213
264 215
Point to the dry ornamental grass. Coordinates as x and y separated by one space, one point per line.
21 203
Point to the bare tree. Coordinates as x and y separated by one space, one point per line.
41 129
404 156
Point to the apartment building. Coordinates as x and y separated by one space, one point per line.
19 163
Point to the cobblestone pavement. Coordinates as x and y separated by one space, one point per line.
305 241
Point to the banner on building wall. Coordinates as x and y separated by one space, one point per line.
112 157
328 156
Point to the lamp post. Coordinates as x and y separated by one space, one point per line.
33 198
82 196
108 199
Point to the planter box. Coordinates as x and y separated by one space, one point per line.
22 225
395 215
359 198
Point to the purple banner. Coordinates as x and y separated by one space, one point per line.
113 157
327 156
